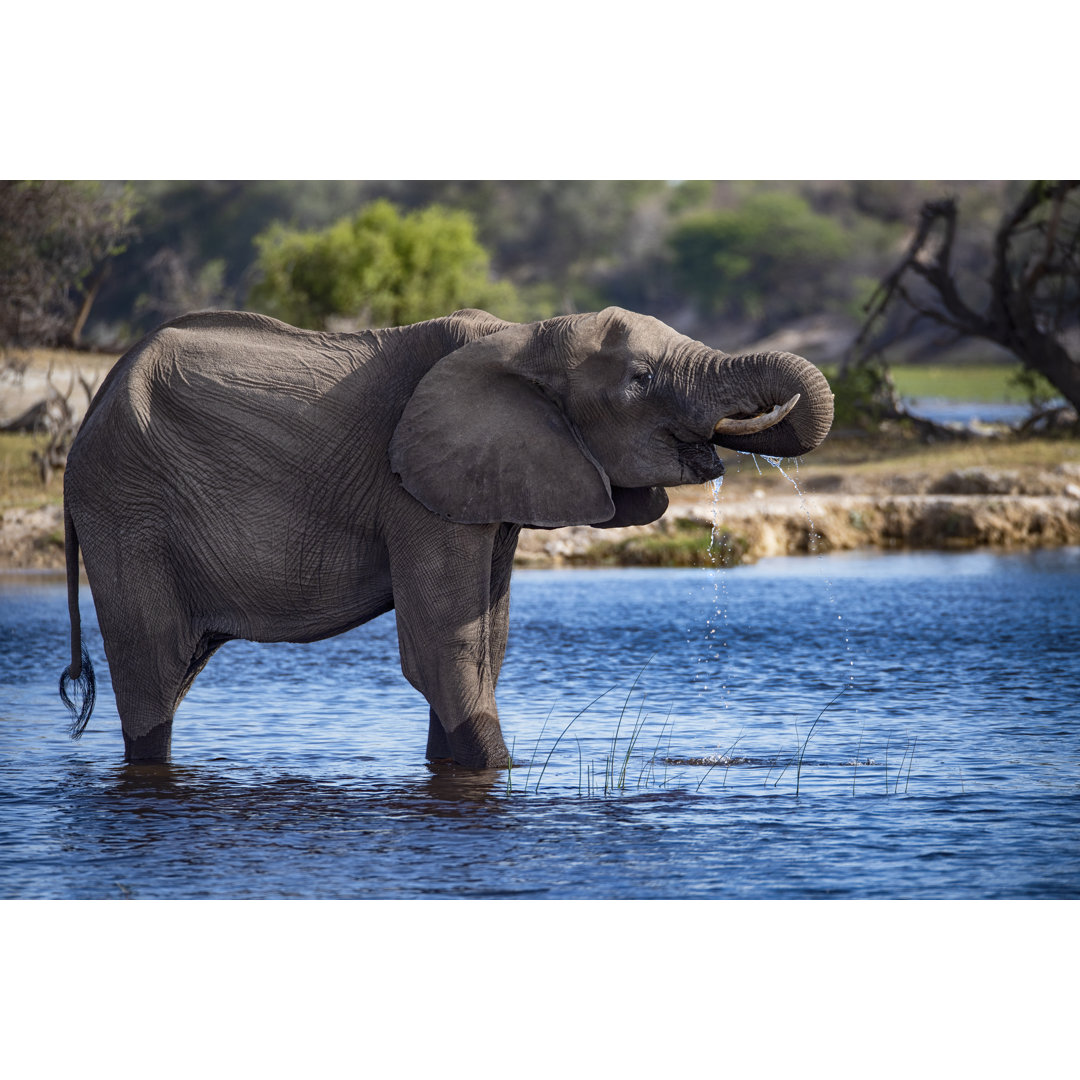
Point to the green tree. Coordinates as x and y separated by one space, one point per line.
768 259
56 237
378 267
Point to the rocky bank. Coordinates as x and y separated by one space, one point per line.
969 508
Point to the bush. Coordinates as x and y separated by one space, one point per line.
769 259
377 268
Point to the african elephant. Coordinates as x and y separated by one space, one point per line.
236 477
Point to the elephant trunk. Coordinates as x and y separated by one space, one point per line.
774 404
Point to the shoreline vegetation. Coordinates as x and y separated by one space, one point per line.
886 492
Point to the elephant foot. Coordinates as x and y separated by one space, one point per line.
478 745
152 748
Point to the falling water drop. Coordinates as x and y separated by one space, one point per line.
813 547
717 620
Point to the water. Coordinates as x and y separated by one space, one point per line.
944 761
950 411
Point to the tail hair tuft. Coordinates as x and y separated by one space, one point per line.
81 687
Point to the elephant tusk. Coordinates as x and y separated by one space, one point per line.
732 426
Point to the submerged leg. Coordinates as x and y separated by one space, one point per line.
452 603
438 749
146 712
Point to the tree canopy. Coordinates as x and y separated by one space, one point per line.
378 267
768 259
725 261
55 238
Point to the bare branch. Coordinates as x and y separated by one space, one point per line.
1034 283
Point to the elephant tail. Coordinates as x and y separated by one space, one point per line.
77 686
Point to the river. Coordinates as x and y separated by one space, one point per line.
857 725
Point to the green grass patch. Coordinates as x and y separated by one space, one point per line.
962 382
685 543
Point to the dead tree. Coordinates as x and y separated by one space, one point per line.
1032 302
55 419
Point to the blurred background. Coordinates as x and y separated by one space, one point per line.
799 265
946 315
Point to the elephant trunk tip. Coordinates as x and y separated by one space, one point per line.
793 406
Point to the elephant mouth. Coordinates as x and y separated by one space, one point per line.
699 463
741 424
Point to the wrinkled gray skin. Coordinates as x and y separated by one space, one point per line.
239 478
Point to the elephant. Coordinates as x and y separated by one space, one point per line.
237 477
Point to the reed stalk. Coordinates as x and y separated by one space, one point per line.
910 760
564 731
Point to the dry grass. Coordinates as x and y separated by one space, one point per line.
870 455
20 477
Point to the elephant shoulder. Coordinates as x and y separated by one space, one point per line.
475 323
237 338
228 320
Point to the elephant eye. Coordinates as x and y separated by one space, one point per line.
640 380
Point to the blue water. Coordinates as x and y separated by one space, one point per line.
857 725
950 411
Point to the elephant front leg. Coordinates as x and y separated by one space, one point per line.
454 674
456 679
451 616
438 749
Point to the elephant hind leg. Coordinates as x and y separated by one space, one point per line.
150 682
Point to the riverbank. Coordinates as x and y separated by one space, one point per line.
755 516
886 493
952 517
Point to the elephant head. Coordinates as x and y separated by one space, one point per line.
585 419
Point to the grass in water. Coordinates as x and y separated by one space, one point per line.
609 772
565 730
650 763
855 772
725 760
536 750
909 756
619 760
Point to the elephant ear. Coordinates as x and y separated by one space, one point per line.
484 439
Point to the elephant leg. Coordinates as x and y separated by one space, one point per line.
502 564
451 600
146 677
154 653
150 680
438 749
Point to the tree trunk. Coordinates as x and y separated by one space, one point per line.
1048 357
74 339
